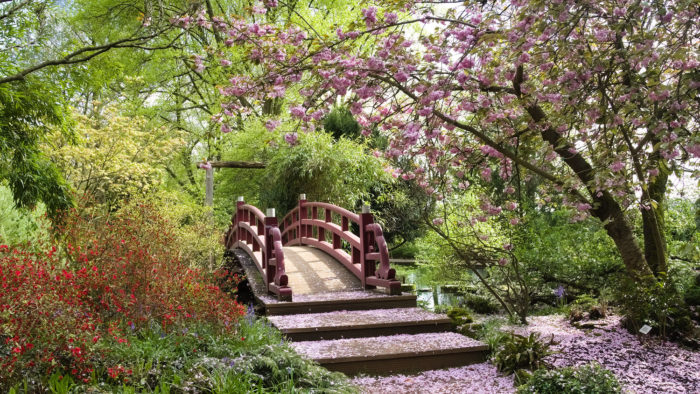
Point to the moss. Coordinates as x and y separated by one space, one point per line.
460 316
480 304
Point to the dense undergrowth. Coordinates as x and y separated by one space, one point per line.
108 306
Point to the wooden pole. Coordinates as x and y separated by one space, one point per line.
209 202
209 188
237 164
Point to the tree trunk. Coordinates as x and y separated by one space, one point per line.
605 208
608 211
653 224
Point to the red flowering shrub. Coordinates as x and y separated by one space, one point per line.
112 276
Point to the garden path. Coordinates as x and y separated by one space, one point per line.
359 331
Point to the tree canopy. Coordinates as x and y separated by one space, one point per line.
598 100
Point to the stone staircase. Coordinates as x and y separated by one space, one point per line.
364 331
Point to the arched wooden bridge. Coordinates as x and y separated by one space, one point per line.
322 226
324 278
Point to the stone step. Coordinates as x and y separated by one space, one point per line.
360 323
394 353
336 301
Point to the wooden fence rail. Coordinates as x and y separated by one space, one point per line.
330 229
259 236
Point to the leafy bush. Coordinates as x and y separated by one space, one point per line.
200 358
692 296
520 352
120 274
587 379
585 306
339 172
490 333
557 250
113 158
459 315
20 226
340 123
272 366
192 227
658 305
683 229
480 304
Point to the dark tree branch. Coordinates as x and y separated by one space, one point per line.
14 9
79 56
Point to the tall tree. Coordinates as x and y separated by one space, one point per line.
45 46
598 99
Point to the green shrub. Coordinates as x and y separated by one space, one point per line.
659 305
480 304
588 379
272 366
521 352
20 225
692 296
338 172
460 315
586 306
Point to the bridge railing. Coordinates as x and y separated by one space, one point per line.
259 235
330 228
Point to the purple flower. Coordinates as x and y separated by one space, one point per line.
583 206
291 138
617 166
297 111
370 15
401 76
271 124
560 292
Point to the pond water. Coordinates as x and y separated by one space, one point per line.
432 293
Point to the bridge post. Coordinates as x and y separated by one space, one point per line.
239 213
271 270
301 231
367 267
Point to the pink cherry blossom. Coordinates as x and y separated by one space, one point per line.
617 166
297 111
291 138
272 124
370 15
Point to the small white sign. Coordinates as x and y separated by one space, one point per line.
645 329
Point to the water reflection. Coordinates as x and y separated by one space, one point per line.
432 294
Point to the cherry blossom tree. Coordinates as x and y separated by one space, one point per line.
598 99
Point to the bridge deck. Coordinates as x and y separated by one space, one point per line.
311 271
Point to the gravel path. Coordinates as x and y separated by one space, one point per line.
642 365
